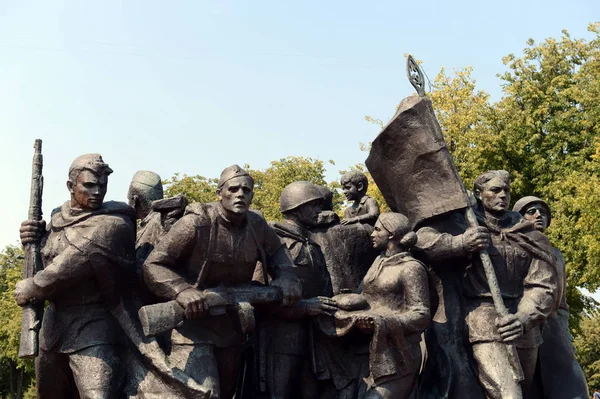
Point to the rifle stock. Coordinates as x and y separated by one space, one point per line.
165 316
30 320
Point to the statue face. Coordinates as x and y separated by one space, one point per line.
308 214
88 191
350 191
495 196
380 236
536 213
236 194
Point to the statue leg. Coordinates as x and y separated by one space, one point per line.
560 373
96 371
199 362
494 370
284 372
403 387
528 359
229 361
54 378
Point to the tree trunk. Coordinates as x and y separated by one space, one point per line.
20 383
11 380
17 375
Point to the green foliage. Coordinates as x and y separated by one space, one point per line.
587 346
15 373
269 183
549 126
463 114
196 188
545 131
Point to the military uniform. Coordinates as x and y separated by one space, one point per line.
87 256
205 249
558 373
291 337
523 263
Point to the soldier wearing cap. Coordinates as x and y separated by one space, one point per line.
290 351
155 213
87 253
216 244
145 187
522 261
559 374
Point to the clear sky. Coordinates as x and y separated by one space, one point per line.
194 86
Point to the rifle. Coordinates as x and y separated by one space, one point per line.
166 316
32 313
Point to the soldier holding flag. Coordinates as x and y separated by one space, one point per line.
505 295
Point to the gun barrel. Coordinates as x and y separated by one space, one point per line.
30 321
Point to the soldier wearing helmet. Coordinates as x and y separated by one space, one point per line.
556 355
290 351
216 244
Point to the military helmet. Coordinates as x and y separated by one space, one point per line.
298 193
522 204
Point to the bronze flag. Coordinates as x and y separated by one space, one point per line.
411 165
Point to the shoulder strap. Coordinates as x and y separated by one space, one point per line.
263 256
209 252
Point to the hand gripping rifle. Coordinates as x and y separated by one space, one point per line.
32 313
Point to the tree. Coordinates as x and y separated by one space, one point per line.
587 346
269 184
545 130
196 188
15 374
548 125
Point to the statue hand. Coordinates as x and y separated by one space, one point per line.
510 328
365 323
319 305
31 231
193 302
349 221
24 292
476 239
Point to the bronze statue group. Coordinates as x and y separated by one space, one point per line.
209 300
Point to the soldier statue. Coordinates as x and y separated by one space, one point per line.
291 350
559 374
155 213
212 245
523 263
88 258
364 209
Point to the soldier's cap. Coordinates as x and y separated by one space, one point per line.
522 205
92 162
146 178
232 172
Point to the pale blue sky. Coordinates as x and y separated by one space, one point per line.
194 86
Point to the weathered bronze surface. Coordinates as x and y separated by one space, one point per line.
450 295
